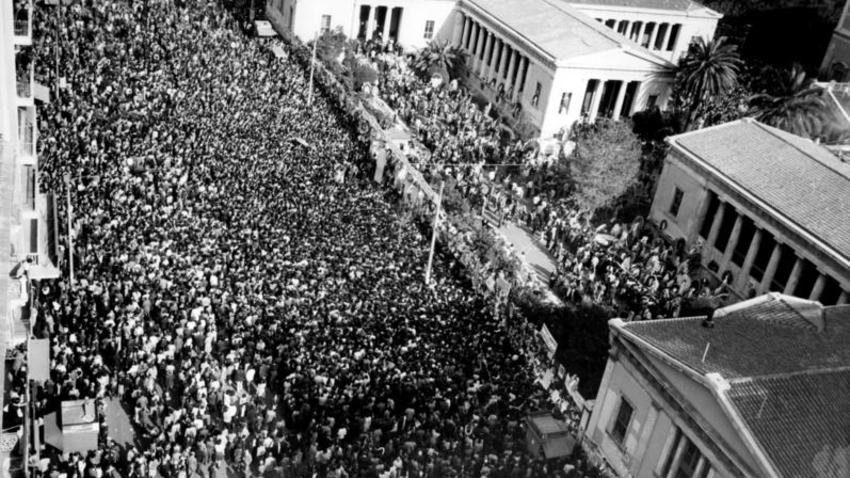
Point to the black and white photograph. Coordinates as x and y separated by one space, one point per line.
425 238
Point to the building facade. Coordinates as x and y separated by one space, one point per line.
769 208
695 398
28 215
412 23
836 61
544 64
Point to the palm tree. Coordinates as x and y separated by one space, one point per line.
792 102
709 69
438 56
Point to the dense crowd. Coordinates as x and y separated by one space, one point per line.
252 304
629 269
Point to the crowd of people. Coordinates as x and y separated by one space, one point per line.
631 270
242 292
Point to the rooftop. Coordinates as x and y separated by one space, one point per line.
768 335
805 184
559 29
787 365
675 5
800 420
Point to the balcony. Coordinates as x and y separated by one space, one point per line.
22 11
24 74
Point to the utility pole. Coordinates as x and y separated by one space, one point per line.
69 213
312 68
434 236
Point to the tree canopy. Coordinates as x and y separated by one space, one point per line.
606 161
792 102
709 70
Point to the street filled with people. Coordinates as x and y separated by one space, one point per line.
241 288
629 269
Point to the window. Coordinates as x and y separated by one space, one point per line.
647 34
674 35
678 194
622 421
659 38
326 23
610 23
429 29
651 101
565 103
535 100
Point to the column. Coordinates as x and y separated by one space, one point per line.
370 22
385 35
465 32
511 81
751 257
794 278
733 242
495 68
639 91
482 34
715 225
677 456
520 64
842 299
470 42
621 96
770 271
488 50
509 64
597 98
817 290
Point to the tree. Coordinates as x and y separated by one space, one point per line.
605 162
792 102
331 45
709 70
448 59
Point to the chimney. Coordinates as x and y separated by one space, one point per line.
708 321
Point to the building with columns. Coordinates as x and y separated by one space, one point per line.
759 391
548 63
771 209
836 61
545 63
412 23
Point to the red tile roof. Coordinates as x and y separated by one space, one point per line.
806 185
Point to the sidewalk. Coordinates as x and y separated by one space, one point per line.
536 257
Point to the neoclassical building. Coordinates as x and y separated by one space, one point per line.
770 209
543 63
758 391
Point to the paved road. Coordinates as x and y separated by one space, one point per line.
537 257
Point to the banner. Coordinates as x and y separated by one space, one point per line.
548 340
38 359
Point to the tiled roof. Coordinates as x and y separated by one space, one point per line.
764 339
806 184
802 421
557 28
678 5
787 363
